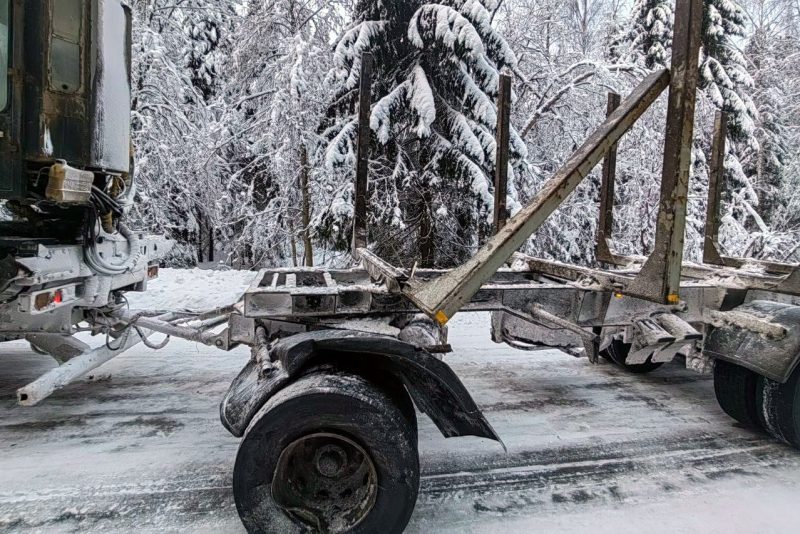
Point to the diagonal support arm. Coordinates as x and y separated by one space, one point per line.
443 297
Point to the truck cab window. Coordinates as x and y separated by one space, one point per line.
4 52
65 45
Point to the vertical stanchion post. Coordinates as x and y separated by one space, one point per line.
605 226
660 278
308 250
503 148
715 182
362 156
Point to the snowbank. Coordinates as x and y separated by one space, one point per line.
193 289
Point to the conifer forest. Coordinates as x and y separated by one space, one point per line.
245 116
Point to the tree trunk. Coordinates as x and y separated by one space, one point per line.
200 249
293 238
210 243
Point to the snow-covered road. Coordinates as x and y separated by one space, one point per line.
139 447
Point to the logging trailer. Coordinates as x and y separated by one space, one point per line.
340 358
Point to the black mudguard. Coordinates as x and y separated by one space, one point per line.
775 359
433 386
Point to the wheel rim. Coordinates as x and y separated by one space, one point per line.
326 481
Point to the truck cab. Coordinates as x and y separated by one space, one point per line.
66 165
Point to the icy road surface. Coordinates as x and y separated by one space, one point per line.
139 448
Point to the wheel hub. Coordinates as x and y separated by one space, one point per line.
330 460
327 481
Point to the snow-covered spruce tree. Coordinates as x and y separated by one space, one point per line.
772 232
434 118
207 33
725 81
765 165
648 39
723 68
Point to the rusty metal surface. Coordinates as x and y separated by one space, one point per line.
745 338
87 124
503 147
716 176
605 226
585 277
581 296
744 279
362 156
379 270
660 277
448 294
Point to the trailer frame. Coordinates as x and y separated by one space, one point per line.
336 333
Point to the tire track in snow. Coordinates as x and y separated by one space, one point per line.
559 476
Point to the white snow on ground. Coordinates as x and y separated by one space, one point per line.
192 289
590 449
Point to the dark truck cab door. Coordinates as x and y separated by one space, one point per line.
12 184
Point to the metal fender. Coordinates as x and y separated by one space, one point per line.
434 387
762 336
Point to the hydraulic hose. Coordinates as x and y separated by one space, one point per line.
101 266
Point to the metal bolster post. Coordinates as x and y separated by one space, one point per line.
503 148
362 157
605 226
715 180
712 253
443 297
659 279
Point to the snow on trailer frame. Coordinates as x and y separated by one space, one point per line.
340 357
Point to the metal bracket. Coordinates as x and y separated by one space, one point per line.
591 341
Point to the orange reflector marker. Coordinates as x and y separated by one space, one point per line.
674 298
441 318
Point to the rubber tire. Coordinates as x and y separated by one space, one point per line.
617 353
336 402
397 392
778 408
735 389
